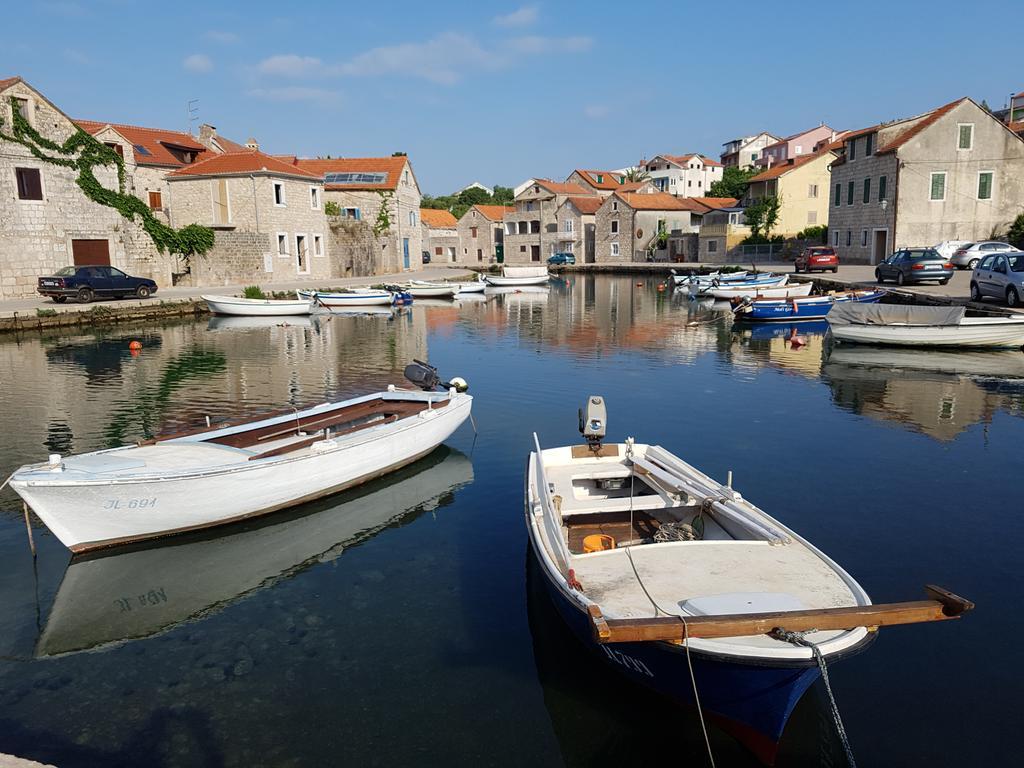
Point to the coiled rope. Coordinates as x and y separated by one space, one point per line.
800 638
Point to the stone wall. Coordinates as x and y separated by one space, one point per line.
355 251
403 211
441 244
237 258
479 238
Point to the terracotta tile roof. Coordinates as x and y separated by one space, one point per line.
705 204
586 205
230 146
684 159
609 180
561 188
1019 95
632 186
231 163
494 212
1017 126
7 83
654 201
437 218
926 120
392 167
155 142
785 167
290 159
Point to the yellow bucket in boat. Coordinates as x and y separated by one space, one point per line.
598 542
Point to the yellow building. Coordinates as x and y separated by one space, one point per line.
802 186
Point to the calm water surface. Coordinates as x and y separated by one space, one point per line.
398 624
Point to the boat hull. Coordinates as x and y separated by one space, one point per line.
763 291
354 299
500 281
707 289
93 514
750 702
432 291
965 336
811 308
235 307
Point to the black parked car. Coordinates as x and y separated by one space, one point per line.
87 283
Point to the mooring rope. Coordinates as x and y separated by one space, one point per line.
800 638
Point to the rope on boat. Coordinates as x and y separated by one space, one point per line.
800 638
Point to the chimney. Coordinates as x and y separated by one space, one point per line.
207 133
252 144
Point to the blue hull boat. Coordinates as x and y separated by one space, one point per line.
795 309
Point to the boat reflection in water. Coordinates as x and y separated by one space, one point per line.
105 600
596 714
242 322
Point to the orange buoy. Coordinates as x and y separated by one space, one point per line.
598 542
135 345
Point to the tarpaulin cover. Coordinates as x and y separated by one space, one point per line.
893 314
525 271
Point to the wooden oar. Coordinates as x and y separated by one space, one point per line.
941 606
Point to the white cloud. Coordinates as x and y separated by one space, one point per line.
522 17
596 111
290 65
297 93
443 59
539 44
221 37
197 62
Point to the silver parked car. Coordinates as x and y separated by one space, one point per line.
968 256
999 276
914 265
947 248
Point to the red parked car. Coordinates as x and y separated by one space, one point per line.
820 257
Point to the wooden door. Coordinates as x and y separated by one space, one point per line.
90 252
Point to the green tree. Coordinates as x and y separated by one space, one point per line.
503 195
474 196
399 154
733 182
637 174
762 216
1015 234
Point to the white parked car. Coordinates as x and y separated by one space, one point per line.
947 248
971 254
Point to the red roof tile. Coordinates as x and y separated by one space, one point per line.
438 218
609 180
494 212
155 141
1017 126
231 163
632 186
653 201
7 83
561 188
928 119
586 205
230 146
704 204
684 159
785 167
391 166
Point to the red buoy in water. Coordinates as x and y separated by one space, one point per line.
135 345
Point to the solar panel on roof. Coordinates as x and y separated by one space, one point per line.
355 178
141 150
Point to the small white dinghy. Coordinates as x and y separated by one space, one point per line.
223 474
516 276
681 583
471 286
238 307
420 289
357 297
761 291
910 326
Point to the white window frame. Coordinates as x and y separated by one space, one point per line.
615 250
931 184
569 226
412 218
314 198
282 237
991 186
835 237
615 205
318 246
958 127
274 186
308 253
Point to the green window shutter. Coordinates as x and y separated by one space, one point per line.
938 191
852 152
985 185
839 195
867 190
849 193
966 136
881 187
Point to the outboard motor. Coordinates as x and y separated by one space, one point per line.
594 422
424 376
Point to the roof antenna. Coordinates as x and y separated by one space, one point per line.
191 114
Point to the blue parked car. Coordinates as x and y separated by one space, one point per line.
86 283
562 258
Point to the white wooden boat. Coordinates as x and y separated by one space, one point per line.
424 290
471 286
911 326
519 276
235 306
680 280
781 291
658 565
357 297
223 474
761 279
193 576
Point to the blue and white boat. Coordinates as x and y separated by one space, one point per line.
756 281
357 297
683 280
797 308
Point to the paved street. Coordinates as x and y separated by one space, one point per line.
32 303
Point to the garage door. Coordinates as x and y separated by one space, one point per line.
90 252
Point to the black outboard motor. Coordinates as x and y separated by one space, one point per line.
424 376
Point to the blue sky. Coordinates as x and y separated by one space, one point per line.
498 92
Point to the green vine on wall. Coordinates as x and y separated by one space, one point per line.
383 223
185 242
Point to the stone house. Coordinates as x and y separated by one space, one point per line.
745 151
481 234
361 187
440 236
250 192
531 230
577 222
47 220
601 183
721 232
954 173
791 147
683 175
801 184
628 223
